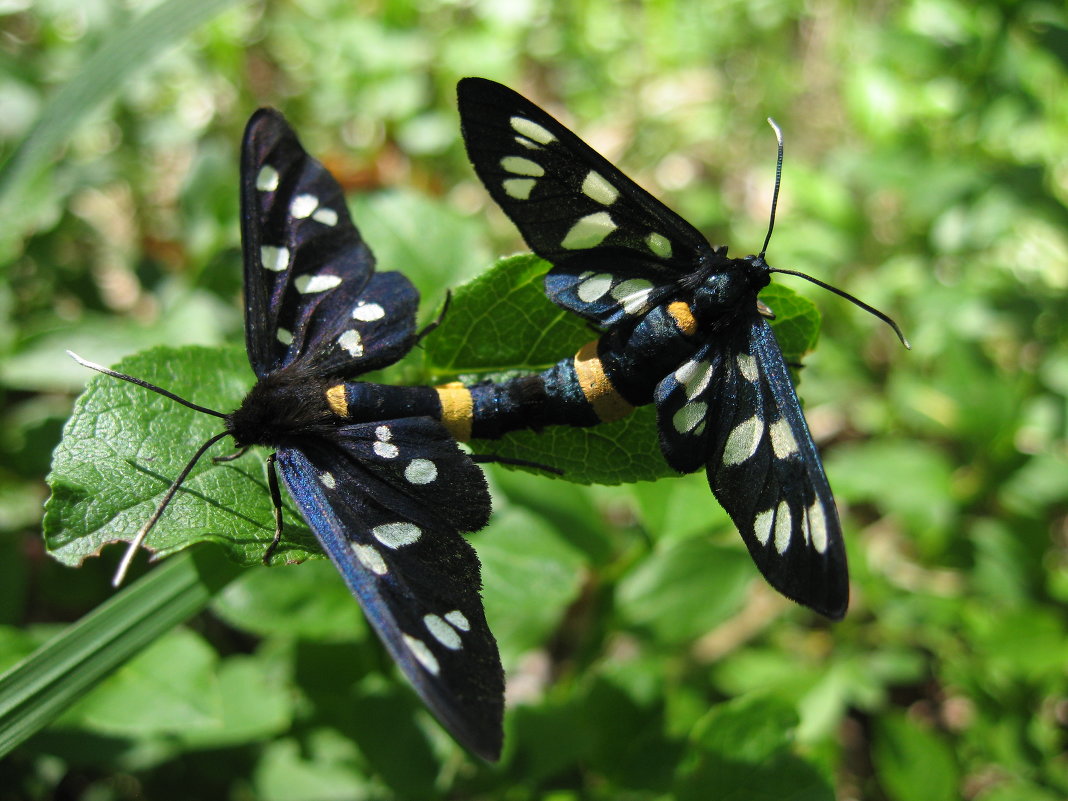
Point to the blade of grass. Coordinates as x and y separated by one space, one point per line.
126 53
37 689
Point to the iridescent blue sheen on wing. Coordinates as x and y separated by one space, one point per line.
392 530
626 262
386 497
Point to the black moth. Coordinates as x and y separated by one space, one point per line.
380 481
685 331
375 469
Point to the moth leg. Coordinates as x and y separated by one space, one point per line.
483 458
436 322
231 456
276 499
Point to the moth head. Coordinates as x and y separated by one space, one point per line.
282 404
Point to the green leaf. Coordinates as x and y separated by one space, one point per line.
123 446
796 323
310 602
528 587
125 55
685 588
37 689
750 728
913 762
325 768
502 321
626 729
741 750
609 453
165 689
680 508
434 246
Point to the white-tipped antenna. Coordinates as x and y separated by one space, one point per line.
139 538
778 179
136 542
771 226
142 383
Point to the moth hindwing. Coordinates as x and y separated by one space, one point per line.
683 331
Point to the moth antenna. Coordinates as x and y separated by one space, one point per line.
142 383
135 543
884 317
139 538
771 226
778 179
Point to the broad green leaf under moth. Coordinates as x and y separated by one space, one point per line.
123 445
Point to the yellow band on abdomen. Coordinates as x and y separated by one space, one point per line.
335 398
607 404
457 407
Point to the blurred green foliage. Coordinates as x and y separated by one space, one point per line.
924 172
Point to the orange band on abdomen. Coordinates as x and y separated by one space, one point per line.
607 404
457 407
683 317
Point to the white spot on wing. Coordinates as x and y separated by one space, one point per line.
308 284
817 523
689 416
595 187
284 335
633 295
442 632
303 206
762 526
352 342
328 480
743 441
782 438
370 558
783 527
420 471
660 245
368 312
519 188
274 259
396 535
589 231
267 178
694 377
325 216
458 619
517 165
532 130
422 654
527 143
387 450
747 364
594 287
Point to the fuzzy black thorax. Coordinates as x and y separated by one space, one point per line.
283 405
